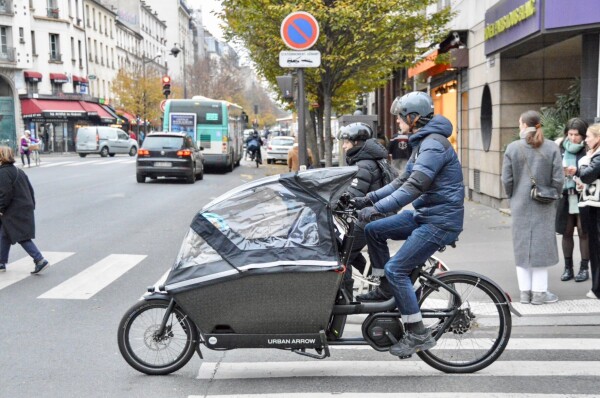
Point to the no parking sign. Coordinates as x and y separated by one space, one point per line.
299 30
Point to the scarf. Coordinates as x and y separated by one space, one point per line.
570 159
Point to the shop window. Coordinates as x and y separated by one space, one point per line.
486 118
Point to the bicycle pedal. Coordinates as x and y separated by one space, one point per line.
405 357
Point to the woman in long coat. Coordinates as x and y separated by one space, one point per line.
17 203
534 239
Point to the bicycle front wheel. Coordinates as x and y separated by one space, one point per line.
147 351
479 333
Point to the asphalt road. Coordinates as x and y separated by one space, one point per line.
91 210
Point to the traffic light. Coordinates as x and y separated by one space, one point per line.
166 82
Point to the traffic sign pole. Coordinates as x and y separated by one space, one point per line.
301 122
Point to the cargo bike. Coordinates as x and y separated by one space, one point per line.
262 267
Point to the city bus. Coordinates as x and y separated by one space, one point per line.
215 125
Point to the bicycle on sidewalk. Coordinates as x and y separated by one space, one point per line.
34 151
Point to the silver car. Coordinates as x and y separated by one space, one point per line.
105 141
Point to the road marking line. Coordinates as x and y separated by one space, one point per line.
391 368
22 268
116 161
54 164
94 278
83 163
398 395
513 344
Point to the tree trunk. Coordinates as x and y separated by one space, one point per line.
327 124
320 131
311 137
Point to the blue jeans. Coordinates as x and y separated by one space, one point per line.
421 241
28 245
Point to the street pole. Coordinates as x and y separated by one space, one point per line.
301 131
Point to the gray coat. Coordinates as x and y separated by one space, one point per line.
17 202
534 239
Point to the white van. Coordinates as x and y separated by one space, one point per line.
106 141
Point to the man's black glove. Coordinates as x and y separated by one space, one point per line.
361 203
369 214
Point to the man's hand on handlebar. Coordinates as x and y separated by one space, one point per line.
369 214
361 203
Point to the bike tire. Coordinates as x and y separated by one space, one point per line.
182 334
480 333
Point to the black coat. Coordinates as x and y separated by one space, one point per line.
17 203
368 178
562 211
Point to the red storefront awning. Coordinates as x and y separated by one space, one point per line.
31 108
32 76
59 77
132 119
96 110
76 79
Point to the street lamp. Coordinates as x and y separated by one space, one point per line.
144 62
175 52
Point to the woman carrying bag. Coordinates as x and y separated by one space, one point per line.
569 215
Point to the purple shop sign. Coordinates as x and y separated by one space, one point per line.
510 21
562 13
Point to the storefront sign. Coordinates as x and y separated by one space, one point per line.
183 123
63 115
562 14
510 21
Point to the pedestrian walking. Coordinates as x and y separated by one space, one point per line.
588 173
399 151
569 215
293 161
24 147
17 204
534 239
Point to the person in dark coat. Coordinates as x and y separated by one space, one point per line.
362 151
588 173
17 203
534 239
569 215
433 183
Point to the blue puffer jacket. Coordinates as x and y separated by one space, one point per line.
432 182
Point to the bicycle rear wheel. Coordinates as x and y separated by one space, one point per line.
479 333
148 352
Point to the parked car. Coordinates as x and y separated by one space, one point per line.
167 154
278 148
105 141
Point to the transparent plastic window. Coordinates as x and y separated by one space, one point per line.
195 251
265 217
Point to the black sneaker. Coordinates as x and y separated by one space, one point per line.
411 343
39 266
374 295
2 267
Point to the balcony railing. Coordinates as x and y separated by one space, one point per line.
6 7
55 57
7 54
53 13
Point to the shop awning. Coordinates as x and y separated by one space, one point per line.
59 78
128 116
79 79
32 76
111 112
51 109
428 65
95 110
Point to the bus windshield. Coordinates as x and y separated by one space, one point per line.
207 112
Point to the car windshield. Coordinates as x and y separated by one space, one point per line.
162 142
279 141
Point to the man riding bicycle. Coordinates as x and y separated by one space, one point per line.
433 183
253 144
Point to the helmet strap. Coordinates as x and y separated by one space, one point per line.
412 123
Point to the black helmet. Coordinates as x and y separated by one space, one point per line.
355 132
414 108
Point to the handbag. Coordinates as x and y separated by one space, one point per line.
540 193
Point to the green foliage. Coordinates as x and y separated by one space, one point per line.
139 93
554 118
361 42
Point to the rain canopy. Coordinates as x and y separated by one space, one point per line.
276 224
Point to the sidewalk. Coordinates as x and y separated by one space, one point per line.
485 246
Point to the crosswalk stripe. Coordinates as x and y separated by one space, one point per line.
22 268
95 278
45 165
118 161
264 370
559 344
77 164
398 395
